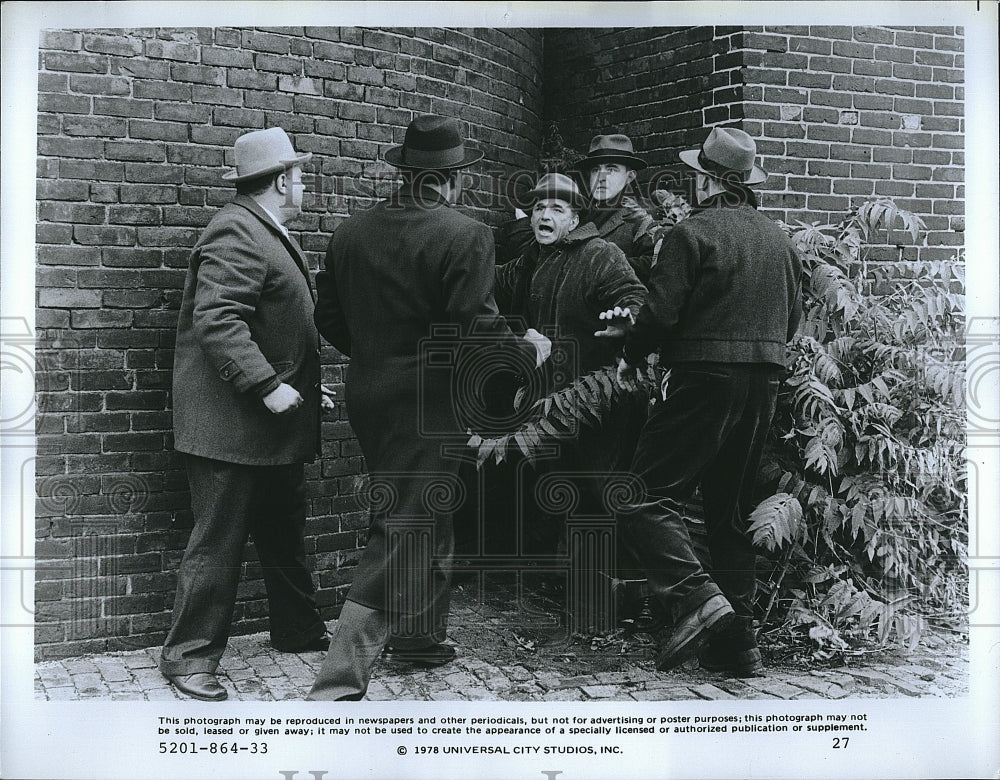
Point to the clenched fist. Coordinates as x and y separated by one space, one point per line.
283 399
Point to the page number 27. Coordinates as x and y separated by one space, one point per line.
840 742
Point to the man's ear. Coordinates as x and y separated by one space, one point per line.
575 221
629 177
281 182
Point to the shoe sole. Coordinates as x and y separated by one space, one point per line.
753 667
411 662
676 654
191 695
401 659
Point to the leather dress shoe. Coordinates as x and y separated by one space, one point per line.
432 655
320 643
200 685
733 650
693 629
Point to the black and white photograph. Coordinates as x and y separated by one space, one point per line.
500 390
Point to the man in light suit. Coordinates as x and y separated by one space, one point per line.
396 275
247 398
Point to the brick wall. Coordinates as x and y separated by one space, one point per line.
135 128
658 85
840 114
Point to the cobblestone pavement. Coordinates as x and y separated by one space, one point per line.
513 651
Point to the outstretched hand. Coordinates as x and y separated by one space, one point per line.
626 376
619 322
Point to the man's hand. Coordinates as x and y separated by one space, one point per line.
283 399
625 376
619 321
542 345
326 397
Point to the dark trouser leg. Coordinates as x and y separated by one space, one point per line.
221 499
727 489
683 435
356 642
277 528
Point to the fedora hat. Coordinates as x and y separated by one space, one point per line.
726 151
260 152
557 185
432 143
611 148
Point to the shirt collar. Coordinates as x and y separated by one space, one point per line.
274 219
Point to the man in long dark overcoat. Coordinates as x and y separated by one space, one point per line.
406 284
247 397
553 287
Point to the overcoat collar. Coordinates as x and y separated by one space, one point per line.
615 220
427 197
293 248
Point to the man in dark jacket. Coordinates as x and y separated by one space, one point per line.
565 270
247 400
609 172
553 287
407 284
724 300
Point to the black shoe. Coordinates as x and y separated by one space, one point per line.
200 685
733 650
692 630
319 644
433 655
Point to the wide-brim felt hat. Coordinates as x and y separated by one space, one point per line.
557 185
432 143
261 152
611 148
727 152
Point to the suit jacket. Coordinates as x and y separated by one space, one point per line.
245 326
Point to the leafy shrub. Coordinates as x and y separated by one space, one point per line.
869 442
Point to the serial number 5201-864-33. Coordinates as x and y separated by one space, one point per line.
212 747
